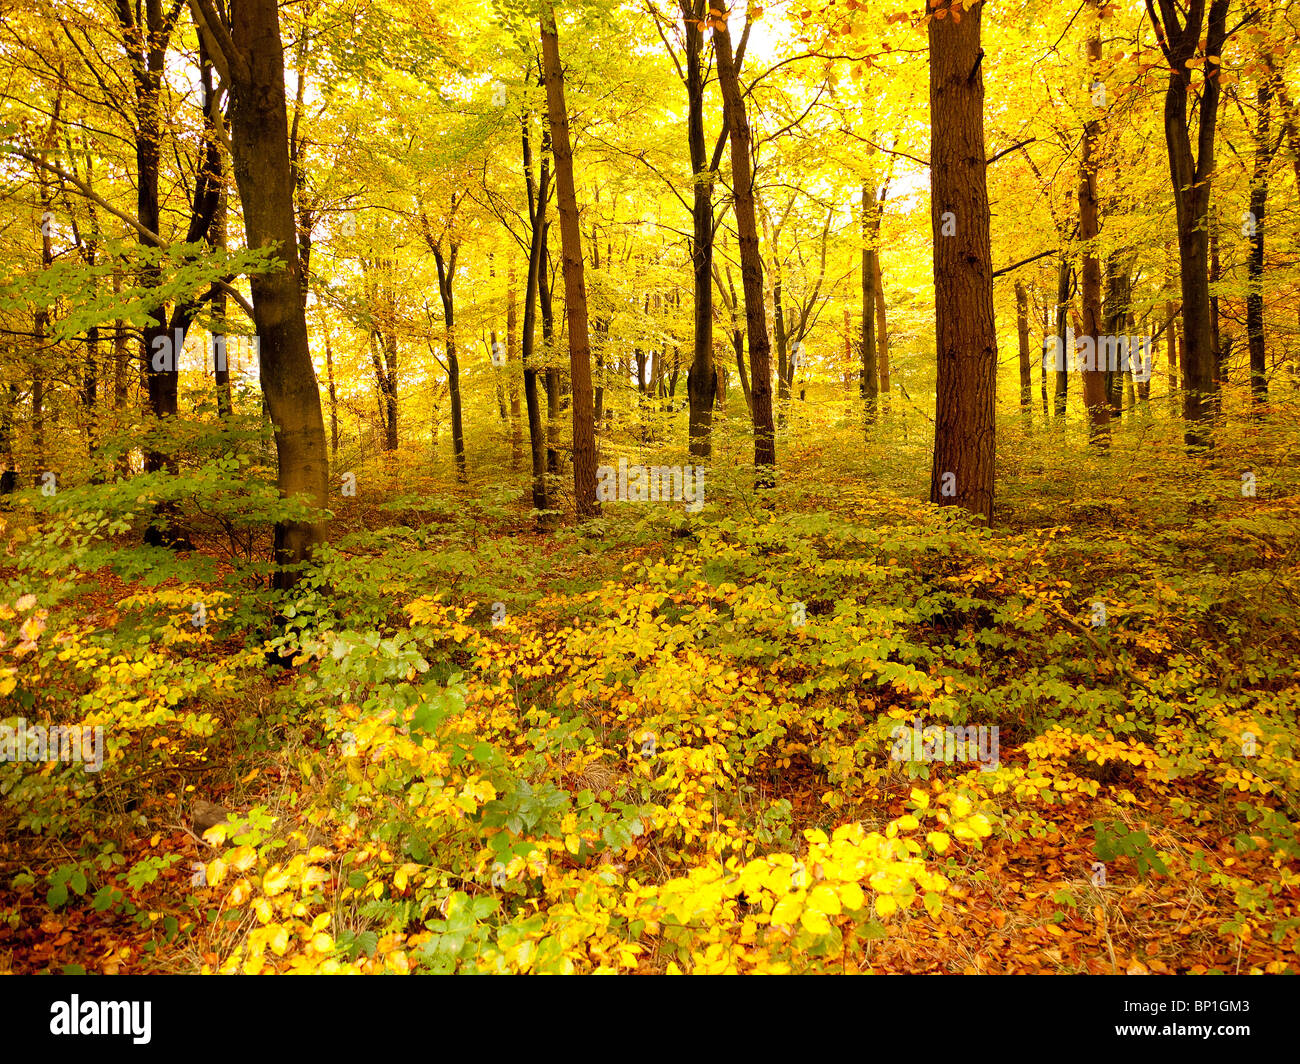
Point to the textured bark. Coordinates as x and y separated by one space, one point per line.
751 263
1094 374
253 60
1191 175
701 377
575 292
966 339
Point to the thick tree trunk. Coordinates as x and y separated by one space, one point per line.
701 377
253 58
751 263
963 470
1191 175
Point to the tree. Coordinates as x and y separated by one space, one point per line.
751 261
962 471
246 49
1179 34
575 293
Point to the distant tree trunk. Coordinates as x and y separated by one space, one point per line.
1191 175
250 57
882 331
869 376
962 472
1216 274
516 439
1115 315
1022 331
751 262
446 287
333 395
1060 394
1255 231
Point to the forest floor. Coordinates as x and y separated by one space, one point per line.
666 741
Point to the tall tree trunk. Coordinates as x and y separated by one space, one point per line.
1255 231
575 291
966 339
250 56
446 288
537 197
1191 175
869 376
701 377
1094 361
751 262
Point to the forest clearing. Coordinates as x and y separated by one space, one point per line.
649 488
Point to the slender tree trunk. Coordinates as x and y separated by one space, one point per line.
1060 394
575 291
333 395
869 376
751 262
516 439
1022 331
963 469
882 330
537 197
446 287
1094 362
1255 231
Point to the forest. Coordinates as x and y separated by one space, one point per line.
649 486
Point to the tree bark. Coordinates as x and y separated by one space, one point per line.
1094 368
251 59
963 469
1191 175
575 292
751 263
